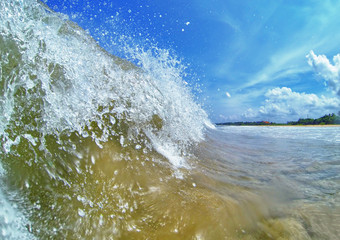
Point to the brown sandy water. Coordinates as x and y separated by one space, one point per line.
233 190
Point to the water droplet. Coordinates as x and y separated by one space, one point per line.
81 213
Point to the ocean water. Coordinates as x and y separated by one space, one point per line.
97 147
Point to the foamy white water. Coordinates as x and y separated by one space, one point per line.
13 223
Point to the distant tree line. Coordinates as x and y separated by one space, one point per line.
325 120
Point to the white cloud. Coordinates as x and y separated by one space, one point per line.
283 104
325 69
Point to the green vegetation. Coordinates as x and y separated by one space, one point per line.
325 120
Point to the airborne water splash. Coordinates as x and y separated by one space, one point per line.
62 96
58 79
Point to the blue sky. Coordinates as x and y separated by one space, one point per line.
249 56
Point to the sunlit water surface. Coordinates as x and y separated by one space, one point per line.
294 170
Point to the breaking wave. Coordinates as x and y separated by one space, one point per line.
64 100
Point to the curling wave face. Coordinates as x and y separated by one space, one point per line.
62 95
56 76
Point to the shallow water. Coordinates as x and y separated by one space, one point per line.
294 170
95 147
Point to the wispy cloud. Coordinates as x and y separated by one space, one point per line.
278 52
264 46
281 65
231 22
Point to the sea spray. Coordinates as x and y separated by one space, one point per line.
71 112
64 81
